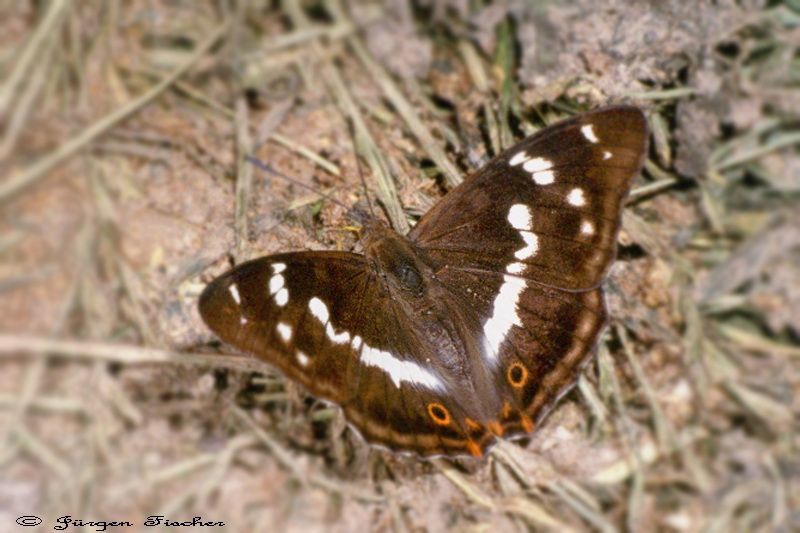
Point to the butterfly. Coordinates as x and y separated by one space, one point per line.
469 328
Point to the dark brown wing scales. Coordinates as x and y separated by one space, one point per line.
547 342
475 324
572 180
263 307
547 212
327 322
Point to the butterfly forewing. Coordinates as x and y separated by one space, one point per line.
472 326
281 308
326 322
551 203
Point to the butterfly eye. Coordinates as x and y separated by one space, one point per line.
409 277
412 279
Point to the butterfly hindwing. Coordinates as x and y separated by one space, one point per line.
533 344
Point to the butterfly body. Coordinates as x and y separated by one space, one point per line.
470 327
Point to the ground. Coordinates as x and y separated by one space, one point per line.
124 127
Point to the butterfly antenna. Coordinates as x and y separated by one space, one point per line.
267 168
352 129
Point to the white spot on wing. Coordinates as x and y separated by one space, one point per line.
519 157
319 309
531 246
606 155
540 169
515 268
277 268
356 343
504 315
282 297
576 198
285 331
519 216
587 228
544 178
399 370
302 358
588 132
276 283
339 338
537 164
234 290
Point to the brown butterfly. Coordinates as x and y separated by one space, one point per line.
474 324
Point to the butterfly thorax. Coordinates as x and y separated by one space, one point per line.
407 276
393 259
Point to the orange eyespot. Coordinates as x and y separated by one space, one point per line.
517 375
439 414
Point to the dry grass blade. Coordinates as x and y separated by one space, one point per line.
26 105
11 346
175 471
51 404
665 94
665 432
582 504
281 454
475 494
596 405
29 390
27 177
56 14
474 65
406 110
305 152
277 138
201 494
42 451
290 463
366 146
535 514
244 178
772 413
777 143
752 341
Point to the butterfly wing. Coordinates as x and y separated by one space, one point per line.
300 312
551 203
527 241
262 307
